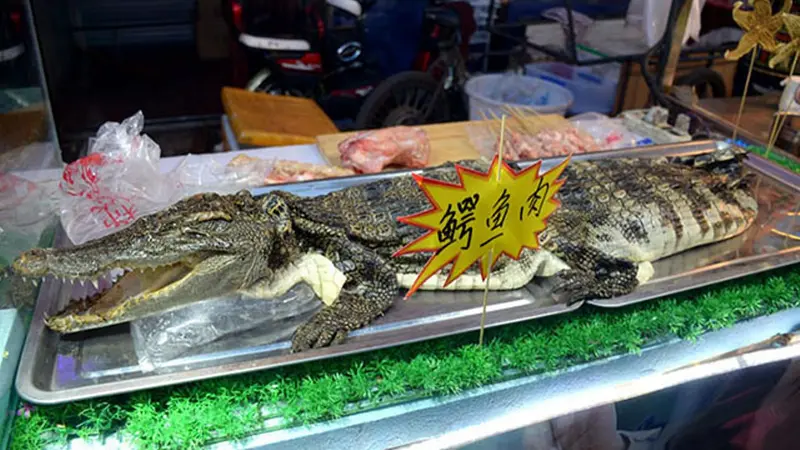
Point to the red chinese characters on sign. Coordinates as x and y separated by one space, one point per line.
80 179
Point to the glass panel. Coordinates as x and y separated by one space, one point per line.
30 166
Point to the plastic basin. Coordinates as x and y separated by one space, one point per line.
489 94
593 92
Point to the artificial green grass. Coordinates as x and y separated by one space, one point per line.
777 158
189 416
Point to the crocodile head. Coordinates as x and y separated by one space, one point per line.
202 247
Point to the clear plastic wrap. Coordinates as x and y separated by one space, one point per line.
164 337
25 205
197 174
545 140
31 157
262 172
610 134
27 211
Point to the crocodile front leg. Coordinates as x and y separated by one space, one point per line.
370 289
593 274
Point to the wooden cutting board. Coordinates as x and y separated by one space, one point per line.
449 141
264 120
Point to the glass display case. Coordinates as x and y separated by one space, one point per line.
30 161
415 377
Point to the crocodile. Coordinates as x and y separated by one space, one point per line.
616 217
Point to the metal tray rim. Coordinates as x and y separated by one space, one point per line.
33 349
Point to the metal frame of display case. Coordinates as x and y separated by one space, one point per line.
14 323
490 410
669 50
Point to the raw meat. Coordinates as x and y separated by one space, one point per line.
546 143
372 151
267 172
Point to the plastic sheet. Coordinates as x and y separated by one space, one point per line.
26 206
197 174
581 22
262 172
162 338
610 134
551 140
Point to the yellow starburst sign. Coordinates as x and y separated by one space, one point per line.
498 213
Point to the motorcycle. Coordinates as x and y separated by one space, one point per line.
319 49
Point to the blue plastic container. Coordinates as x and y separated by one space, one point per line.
593 92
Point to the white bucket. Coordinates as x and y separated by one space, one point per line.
490 93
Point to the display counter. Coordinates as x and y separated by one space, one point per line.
447 391
417 376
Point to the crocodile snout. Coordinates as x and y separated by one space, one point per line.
32 263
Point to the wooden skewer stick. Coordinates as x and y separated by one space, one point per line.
785 234
744 95
491 251
485 298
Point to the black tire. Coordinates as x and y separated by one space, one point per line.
701 79
386 106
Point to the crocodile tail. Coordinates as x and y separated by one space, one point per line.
727 162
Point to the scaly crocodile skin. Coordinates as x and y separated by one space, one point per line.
616 217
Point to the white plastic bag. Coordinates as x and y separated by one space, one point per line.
118 182
121 180
651 17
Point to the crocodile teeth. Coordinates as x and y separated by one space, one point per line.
95 284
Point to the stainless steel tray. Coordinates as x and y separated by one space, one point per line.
56 369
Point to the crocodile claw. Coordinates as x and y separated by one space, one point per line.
331 324
317 335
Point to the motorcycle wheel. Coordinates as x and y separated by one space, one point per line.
403 99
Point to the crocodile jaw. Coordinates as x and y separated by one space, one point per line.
142 293
109 307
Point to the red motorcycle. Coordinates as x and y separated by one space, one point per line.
316 49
